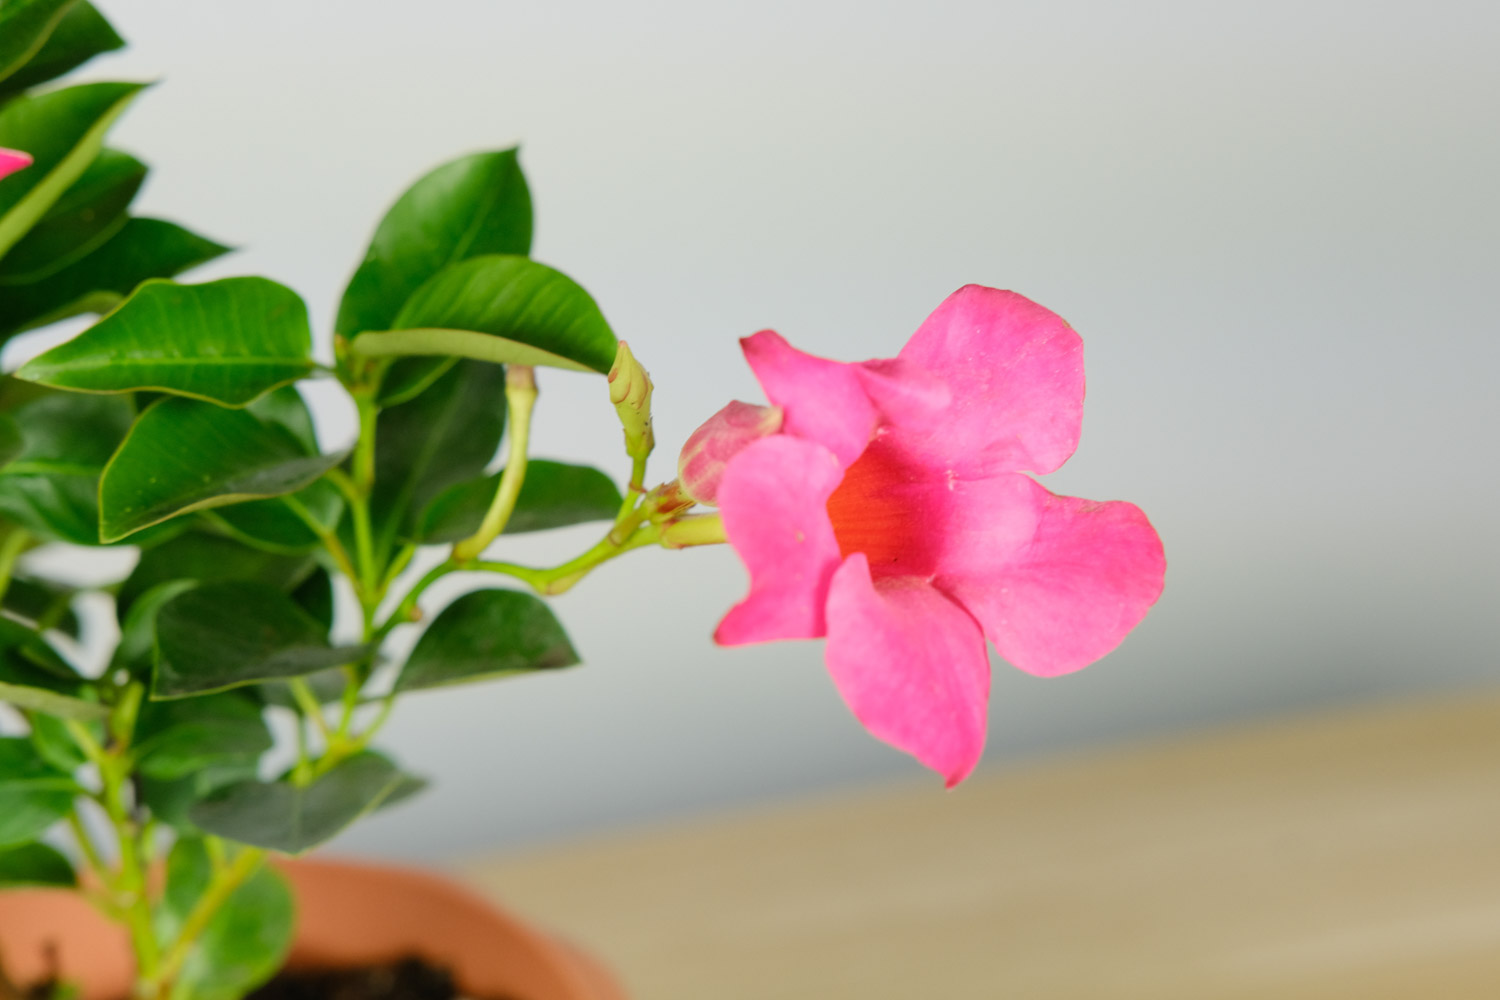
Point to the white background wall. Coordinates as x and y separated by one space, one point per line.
1275 224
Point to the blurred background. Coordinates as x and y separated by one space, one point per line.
1275 225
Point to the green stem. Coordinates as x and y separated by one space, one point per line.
403 611
220 887
700 529
10 550
327 536
558 579
520 400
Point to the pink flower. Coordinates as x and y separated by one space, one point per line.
12 160
891 516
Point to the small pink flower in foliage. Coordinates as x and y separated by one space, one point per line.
12 160
891 515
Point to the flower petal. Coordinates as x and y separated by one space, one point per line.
12 160
773 499
824 401
1087 576
910 521
912 666
1015 371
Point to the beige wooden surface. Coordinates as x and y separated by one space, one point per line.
1351 855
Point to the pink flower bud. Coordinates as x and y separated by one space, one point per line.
722 436
12 160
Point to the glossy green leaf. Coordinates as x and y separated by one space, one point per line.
170 801
11 442
183 455
42 603
222 635
84 218
281 524
244 944
25 26
35 865
79 36
486 634
26 660
41 700
315 596
52 487
225 341
553 495
282 816
406 378
447 435
176 738
478 204
33 795
142 249
204 558
56 744
500 309
35 678
63 130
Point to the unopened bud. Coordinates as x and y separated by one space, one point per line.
630 391
700 467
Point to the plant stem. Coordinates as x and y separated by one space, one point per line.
520 400
11 548
558 579
328 537
220 887
700 529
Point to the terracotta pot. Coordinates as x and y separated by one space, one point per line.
348 914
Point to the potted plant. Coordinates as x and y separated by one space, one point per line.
880 504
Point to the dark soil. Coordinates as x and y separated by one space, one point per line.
411 979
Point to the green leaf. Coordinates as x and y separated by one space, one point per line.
478 204
42 603
222 635
170 801
177 738
282 816
447 435
33 677
33 795
201 557
52 488
274 524
553 495
503 309
25 26
224 341
486 634
32 865
55 743
243 944
60 705
63 130
84 218
142 249
82 34
27 661
406 378
11 442
184 455
315 596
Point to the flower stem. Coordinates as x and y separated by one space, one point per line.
520 400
